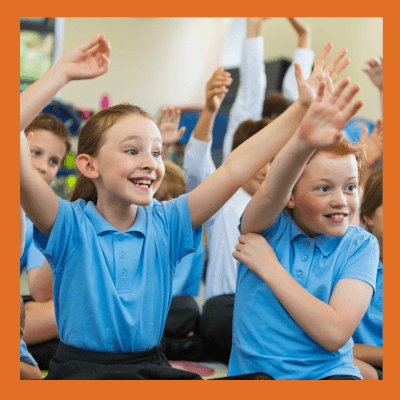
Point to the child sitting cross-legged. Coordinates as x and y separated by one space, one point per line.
306 280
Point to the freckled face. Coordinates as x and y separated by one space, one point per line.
325 199
129 161
47 152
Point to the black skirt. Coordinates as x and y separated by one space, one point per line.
71 363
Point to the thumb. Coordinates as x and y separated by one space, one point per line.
364 134
181 131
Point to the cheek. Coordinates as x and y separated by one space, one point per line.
310 207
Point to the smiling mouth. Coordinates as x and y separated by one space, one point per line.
336 217
143 184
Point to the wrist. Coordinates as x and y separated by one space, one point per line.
253 29
59 72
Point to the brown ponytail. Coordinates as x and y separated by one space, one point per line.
90 140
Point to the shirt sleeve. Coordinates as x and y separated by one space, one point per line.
32 256
197 162
364 259
59 246
305 58
249 100
24 354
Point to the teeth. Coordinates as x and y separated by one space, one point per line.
338 216
143 181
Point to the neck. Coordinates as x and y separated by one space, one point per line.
120 215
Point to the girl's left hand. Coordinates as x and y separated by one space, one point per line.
256 254
87 61
170 118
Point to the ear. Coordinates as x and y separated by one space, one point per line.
85 164
369 221
290 203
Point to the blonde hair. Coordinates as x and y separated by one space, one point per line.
173 185
91 138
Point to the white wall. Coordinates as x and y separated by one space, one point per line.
158 61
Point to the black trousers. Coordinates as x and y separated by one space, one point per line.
216 327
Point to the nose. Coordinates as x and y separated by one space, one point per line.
338 199
149 162
41 166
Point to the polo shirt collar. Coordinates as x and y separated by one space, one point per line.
327 244
101 225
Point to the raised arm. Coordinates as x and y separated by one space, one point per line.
197 160
89 60
321 128
256 152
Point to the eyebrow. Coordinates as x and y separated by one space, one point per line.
140 138
328 180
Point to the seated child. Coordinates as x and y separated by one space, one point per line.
221 276
28 366
49 145
182 323
368 350
305 282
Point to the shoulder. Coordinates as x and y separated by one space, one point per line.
359 237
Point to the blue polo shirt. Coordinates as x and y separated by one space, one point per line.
32 257
370 329
24 354
189 273
112 290
265 337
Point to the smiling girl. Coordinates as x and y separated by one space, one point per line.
310 275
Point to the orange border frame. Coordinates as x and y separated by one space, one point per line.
11 385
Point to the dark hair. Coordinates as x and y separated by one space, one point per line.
52 124
274 105
173 184
247 129
373 195
91 138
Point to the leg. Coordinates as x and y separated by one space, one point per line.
216 326
367 371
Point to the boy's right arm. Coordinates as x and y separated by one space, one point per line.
37 199
89 60
320 128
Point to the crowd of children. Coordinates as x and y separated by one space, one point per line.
293 219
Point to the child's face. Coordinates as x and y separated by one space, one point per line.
255 181
129 161
325 199
376 225
47 153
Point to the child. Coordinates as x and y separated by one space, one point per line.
368 350
296 310
50 144
216 319
114 266
179 340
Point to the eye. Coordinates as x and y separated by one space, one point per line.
156 154
324 189
131 152
351 188
35 152
54 161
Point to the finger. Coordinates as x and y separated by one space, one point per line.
334 61
242 238
90 43
364 134
339 87
378 127
352 111
301 82
345 100
181 131
339 68
177 116
324 54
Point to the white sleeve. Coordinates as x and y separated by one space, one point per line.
250 96
197 162
305 58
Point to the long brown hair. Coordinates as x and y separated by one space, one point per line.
90 140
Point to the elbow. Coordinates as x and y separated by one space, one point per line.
335 342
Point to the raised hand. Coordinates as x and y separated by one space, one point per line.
323 72
87 61
216 89
322 125
170 118
373 144
375 71
303 32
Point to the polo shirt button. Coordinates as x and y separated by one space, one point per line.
307 244
305 258
123 273
122 255
121 238
299 274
